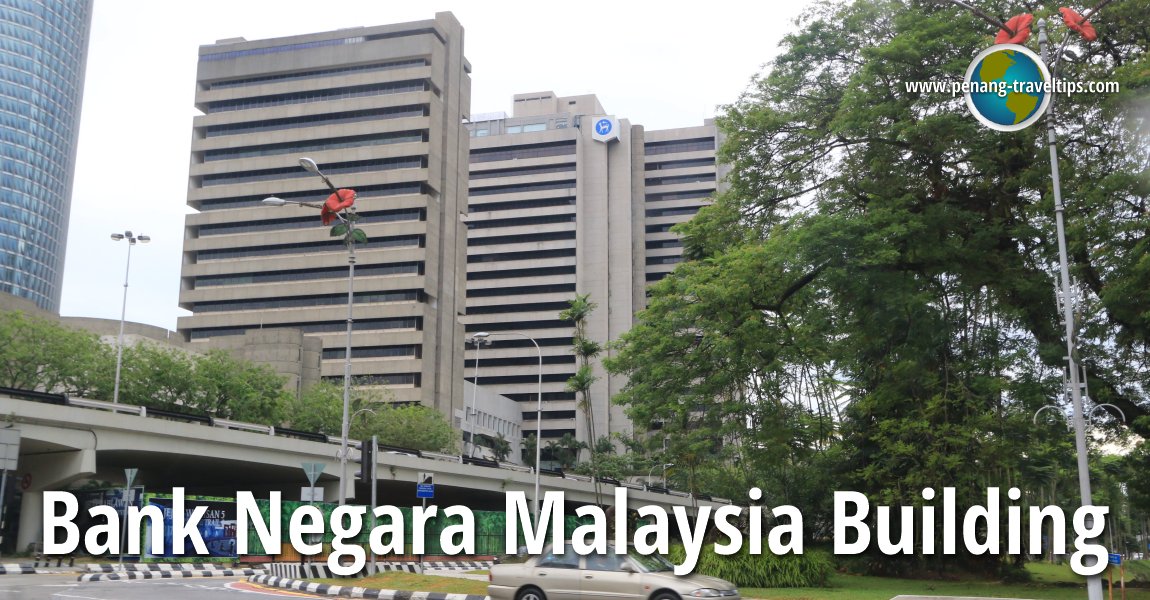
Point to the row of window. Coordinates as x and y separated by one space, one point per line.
522 238
522 221
523 204
309 146
355 116
680 164
522 171
657 244
672 212
363 192
306 97
364 166
523 307
384 216
519 188
403 268
534 397
522 152
310 301
525 255
314 73
518 361
401 323
398 241
675 146
391 379
523 290
514 273
402 351
707 177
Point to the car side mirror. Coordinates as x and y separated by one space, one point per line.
627 568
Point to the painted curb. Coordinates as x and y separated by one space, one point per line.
11 569
119 568
347 591
168 574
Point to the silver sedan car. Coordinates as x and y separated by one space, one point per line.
561 574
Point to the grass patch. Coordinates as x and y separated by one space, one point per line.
1051 582
476 572
858 587
411 582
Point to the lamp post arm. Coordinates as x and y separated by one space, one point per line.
330 186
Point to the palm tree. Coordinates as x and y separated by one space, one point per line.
501 448
586 349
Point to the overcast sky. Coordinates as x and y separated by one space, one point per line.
656 65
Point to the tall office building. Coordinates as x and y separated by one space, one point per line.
43 52
380 110
568 200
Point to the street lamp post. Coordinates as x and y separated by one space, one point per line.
340 205
132 240
480 340
538 411
1093 583
652 470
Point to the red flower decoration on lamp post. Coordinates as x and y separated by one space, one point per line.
337 202
1017 30
1077 23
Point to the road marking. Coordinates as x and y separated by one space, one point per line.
252 588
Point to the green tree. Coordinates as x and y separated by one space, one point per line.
320 409
872 293
500 447
238 389
43 355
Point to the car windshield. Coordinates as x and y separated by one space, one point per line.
651 563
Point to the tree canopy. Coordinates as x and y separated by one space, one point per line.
870 301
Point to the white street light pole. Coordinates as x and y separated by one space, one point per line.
310 166
538 411
1093 583
652 470
480 340
132 240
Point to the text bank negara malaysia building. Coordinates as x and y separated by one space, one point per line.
379 109
566 199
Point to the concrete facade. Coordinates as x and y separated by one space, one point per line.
379 109
555 213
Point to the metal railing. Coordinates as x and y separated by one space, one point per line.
212 421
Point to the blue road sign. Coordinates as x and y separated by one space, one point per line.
425 490
1115 559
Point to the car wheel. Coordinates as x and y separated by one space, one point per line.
665 596
530 593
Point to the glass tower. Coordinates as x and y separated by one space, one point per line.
43 51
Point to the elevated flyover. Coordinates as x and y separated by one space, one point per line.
68 440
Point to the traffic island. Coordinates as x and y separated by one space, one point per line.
348 591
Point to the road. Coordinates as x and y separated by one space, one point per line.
65 587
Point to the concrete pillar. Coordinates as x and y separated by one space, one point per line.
49 472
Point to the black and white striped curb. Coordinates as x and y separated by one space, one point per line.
458 565
169 574
320 571
348 591
117 568
17 569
